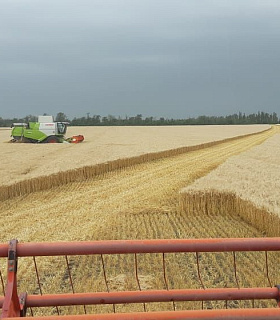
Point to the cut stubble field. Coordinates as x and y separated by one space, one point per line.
137 202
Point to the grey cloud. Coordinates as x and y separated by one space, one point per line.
165 58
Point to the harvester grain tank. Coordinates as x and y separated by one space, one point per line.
46 130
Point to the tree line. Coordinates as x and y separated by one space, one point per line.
139 120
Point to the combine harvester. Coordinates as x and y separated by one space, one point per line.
43 131
15 305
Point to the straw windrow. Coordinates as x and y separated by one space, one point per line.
213 203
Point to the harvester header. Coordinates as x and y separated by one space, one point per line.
16 305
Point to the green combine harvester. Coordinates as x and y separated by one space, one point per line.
46 130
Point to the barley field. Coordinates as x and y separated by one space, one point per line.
135 201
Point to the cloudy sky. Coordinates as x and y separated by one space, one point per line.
170 58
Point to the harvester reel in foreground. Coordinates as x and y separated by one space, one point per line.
14 306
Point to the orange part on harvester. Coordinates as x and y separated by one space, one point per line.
77 139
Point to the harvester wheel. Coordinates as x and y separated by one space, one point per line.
52 139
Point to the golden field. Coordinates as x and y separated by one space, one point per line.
136 201
247 184
24 161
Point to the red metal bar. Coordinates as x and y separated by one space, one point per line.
151 296
225 314
145 246
4 250
11 306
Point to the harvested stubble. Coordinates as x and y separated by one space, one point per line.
139 202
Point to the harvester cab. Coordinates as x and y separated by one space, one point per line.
46 130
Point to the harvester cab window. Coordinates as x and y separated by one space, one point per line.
61 128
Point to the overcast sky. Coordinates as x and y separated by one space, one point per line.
170 58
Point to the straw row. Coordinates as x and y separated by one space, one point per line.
226 203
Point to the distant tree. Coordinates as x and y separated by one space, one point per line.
105 121
138 119
237 118
30 118
61 116
274 118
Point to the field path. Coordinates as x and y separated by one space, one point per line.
136 202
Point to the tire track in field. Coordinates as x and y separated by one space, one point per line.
94 209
